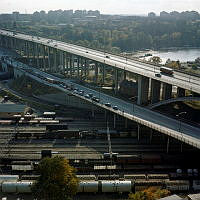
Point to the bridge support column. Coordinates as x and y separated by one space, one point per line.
155 91
49 59
103 74
44 58
37 54
60 66
78 67
116 80
67 63
168 144
167 91
124 74
71 63
143 90
126 122
82 63
151 135
93 111
86 68
114 120
138 132
64 62
27 50
96 73
180 92
55 60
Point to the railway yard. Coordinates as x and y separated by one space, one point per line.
84 143
137 162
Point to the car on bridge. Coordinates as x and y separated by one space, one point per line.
115 108
107 104
81 92
90 95
166 71
95 99
87 96
158 75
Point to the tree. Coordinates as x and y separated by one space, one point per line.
151 193
57 180
155 59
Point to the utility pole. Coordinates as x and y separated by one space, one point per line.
109 146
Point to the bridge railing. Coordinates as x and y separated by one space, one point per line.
112 53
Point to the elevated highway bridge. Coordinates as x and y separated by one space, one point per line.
62 58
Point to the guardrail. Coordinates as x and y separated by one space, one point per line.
111 53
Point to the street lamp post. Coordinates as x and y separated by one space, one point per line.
178 115
133 99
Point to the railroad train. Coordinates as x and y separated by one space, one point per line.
104 186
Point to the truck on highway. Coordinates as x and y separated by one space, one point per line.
167 71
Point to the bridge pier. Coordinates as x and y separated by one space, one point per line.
143 90
166 91
96 70
37 54
151 135
44 58
126 122
114 120
78 67
138 132
168 140
155 91
103 73
180 92
49 59
116 80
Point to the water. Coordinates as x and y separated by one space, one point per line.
183 55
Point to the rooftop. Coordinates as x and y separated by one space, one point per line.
6 108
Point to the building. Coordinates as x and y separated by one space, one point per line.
9 110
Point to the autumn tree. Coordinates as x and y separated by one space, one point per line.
151 193
155 59
57 180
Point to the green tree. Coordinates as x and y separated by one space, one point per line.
57 180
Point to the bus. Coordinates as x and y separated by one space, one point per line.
166 70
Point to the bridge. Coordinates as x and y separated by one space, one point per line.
183 99
68 59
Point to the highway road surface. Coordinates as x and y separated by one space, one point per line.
180 130
149 70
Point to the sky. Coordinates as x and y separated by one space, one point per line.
129 7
